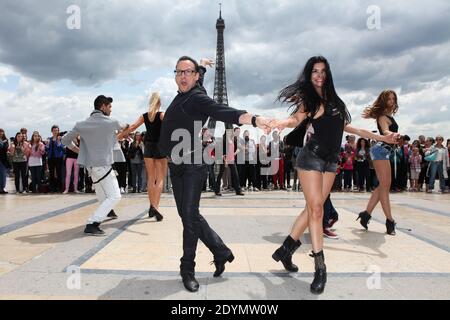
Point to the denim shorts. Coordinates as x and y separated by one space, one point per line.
380 151
309 161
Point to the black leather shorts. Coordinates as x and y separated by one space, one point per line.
309 161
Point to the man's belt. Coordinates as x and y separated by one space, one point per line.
109 171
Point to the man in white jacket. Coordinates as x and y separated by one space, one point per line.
98 134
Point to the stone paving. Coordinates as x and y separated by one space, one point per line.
45 255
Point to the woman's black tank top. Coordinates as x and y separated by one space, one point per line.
392 128
328 130
153 128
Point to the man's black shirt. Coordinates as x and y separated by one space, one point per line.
188 107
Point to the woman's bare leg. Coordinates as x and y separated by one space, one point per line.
150 166
316 190
301 223
383 170
373 201
160 174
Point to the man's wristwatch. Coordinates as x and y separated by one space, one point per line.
254 120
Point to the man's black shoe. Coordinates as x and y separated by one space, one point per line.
220 265
240 193
218 194
94 229
189 282
112 215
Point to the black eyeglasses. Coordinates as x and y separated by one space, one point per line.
187 72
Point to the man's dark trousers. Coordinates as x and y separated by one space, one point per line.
187 184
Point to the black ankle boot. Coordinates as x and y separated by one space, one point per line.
365 217
320 276
285 252
390 227
220 264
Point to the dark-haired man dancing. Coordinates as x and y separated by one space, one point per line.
183 121
98 134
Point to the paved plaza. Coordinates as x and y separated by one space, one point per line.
45 255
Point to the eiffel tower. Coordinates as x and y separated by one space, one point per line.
220 82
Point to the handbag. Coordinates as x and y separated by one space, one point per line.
431 157
297 136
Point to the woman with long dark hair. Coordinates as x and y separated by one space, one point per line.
313 96
136 154
382 111
20 150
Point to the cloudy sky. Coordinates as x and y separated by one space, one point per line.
50 73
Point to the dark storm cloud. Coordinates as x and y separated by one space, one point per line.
114 38
267 42
411 47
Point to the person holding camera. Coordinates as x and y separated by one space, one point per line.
136 155
20 150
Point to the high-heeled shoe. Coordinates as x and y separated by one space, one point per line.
365 218
390 227
156 214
